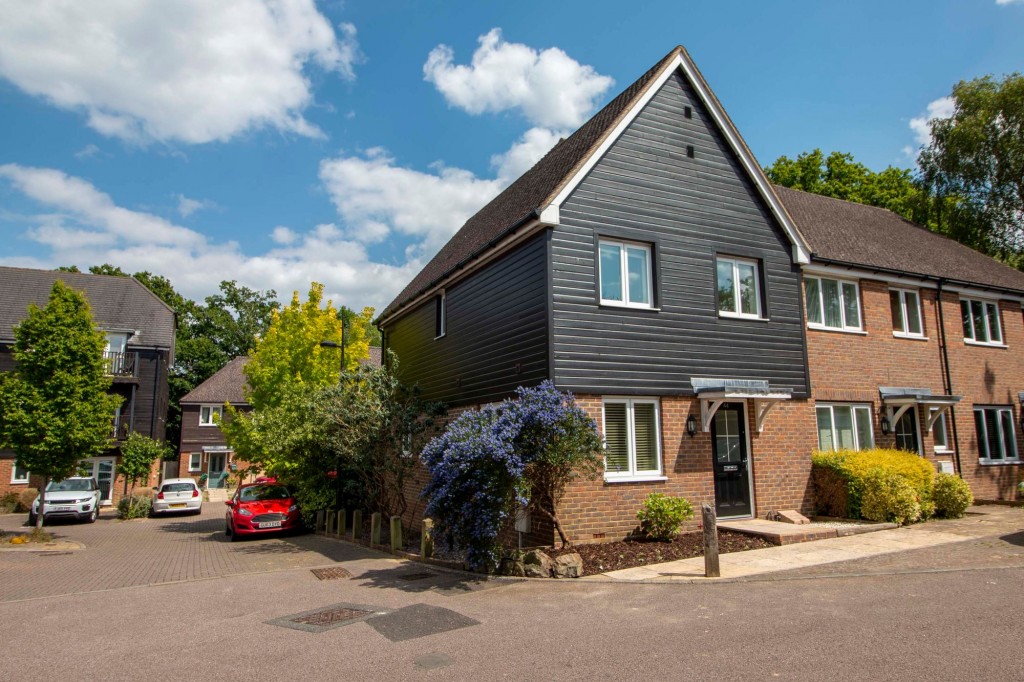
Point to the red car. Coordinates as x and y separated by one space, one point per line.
258 508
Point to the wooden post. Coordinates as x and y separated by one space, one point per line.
342 514
427 539
375 528
710 523
396 533
357 524
330 522
319 520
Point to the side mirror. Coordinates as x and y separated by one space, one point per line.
227 502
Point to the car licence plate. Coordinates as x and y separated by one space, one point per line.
271 524
177 505
63 509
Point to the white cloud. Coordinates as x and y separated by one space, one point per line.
192 71
1008 2
187 206
83 226
526 151
940 108
549 87
87 152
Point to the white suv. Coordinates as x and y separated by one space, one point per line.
77 497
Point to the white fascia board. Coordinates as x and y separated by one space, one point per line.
801 251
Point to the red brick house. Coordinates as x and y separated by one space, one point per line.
204 451
140 347
647 265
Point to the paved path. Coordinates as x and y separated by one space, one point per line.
153 551
981 522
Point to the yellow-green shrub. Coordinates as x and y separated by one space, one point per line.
952 496
887 496
839 477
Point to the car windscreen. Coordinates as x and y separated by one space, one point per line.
70 484
185 487
258 493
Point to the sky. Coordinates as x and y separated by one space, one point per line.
279 142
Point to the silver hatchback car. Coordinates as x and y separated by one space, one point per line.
177 495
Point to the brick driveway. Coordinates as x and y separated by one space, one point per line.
151 551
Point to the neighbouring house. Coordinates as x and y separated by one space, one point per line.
140 347
647 265
204 450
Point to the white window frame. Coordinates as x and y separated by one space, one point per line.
209 411
853 415
624 270
633 474
734 261
14 473
945 448
1007 457
906 333
972 338
194 465
859 329
441 315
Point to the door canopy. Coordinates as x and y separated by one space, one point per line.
897 400
713 392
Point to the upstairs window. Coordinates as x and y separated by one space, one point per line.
632 442
981 322
739 288
906 312
208 413
440 315
997 441
832 304
625 274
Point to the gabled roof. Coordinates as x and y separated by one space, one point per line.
118 303
227 385
855 234
546 184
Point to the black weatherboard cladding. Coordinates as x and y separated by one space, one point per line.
645 188
496 334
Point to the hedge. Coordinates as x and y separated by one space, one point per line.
839 478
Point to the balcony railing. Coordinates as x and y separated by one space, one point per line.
120 428
121 364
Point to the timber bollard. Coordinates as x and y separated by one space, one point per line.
375 520
319 520
330 522
357 524
427 539
396 533
710 523
342 518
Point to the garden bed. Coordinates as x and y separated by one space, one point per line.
613 556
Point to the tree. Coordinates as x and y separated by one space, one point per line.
54 407
976 157
137 456
364 320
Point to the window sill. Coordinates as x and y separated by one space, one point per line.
823 328
997 462
623 306
635 479
943 451
909 337
747 318
968 342
19 482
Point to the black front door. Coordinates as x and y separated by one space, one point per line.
732 473
906 432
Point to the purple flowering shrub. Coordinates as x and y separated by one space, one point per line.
491 461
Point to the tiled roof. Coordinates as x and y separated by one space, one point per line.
525 196
873 237
374 359
227 385
116 302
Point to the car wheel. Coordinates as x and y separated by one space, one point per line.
94 515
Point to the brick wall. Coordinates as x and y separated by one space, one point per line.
117 489
848 367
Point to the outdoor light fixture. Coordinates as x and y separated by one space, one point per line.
886 426
691 426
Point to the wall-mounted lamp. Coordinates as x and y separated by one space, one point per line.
691 426
886 426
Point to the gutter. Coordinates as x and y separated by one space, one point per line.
1018 293
947 378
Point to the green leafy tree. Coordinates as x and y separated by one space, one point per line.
54 407
137 456
976 160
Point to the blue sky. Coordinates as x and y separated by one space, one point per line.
277 142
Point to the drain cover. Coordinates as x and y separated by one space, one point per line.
329 617
411 577
332 573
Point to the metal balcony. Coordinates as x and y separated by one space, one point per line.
120 428
121 364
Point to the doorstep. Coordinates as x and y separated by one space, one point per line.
779 533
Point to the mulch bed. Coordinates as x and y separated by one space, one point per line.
612 556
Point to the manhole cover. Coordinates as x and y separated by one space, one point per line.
329 617
333 573
411 577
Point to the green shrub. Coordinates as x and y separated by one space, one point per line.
9 503
661 516
135 507
25 499
839 477
886 496
952 496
